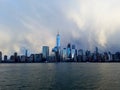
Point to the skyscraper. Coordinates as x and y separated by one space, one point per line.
64 52
80 52
45 52
69 51
15 57
73 51
26 55
5 58
80 55
56 49
58 41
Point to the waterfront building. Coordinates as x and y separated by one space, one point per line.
23 58
52 58
38 58
117 57
69 51
80 52
18 58
15 57
106 57
64 54
109 56
88 56
26 56
12 58
73 52
45 52
57 49
5 58
31 58
58 40
80 55
26 53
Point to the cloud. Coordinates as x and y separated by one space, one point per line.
100 19
34 23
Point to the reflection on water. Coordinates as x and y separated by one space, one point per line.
60 76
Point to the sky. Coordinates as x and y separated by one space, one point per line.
31 24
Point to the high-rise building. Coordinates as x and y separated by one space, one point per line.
80 52
56 49
23 58
31 58
58 41
69 51
12 58
0 56
26 55
15 57
38 57
5 58
80 55
45 52
73 51
96 54
64 52
109 56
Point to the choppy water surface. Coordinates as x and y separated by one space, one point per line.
60 76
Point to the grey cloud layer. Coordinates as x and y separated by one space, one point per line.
33 23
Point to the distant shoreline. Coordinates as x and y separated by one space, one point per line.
50 62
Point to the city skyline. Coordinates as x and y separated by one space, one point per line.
59 44
58 54
34 23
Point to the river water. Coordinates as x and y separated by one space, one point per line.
60 76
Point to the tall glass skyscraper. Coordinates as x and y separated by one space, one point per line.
56 49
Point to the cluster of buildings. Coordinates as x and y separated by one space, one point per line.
68 54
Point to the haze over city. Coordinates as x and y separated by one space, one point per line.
30 24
